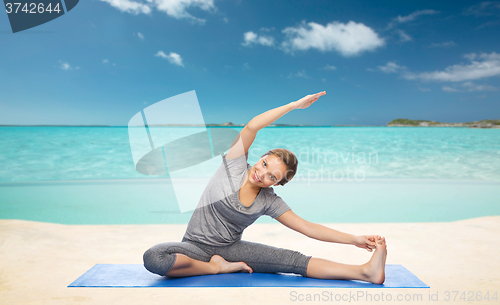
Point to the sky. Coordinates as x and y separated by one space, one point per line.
106 60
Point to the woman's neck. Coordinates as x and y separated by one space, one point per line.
248 186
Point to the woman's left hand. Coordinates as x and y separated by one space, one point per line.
307 100
366 242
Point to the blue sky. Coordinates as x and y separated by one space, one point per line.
106 60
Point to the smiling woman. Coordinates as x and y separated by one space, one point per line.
276 157
212 243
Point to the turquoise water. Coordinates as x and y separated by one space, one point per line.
86 175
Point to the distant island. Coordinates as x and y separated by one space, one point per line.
424 123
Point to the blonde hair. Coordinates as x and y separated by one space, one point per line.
289 159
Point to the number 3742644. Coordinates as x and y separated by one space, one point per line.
470 296
32 8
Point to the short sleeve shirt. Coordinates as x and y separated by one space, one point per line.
220 217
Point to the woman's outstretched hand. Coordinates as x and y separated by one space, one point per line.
307 100
366 242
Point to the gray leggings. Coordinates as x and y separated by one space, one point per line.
261 258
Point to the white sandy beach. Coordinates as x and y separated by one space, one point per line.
38 260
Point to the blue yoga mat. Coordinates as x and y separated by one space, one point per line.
135 275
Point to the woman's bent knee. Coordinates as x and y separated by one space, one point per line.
158 262
160 258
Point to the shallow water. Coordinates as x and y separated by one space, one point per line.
346 174
83 153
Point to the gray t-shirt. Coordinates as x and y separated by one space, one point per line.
220 217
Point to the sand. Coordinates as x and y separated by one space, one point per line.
38 260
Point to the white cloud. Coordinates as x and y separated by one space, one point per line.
403 36
424 89
177 8
173 8
173 58
346 38
67 66
445 44
470 56
414 15
449 89
263 29
252 38
391 67
246 66
130 6
140 35
301 74
486 8
480 66
107 62
328 67
411 17
469 87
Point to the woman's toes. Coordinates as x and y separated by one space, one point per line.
248 269
381 240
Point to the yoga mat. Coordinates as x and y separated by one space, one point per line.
135 275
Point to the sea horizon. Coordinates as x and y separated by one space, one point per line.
195 125
231 126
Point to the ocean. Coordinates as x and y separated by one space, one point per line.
87 175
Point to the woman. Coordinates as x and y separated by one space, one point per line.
234 198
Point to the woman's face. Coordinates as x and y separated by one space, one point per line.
268 171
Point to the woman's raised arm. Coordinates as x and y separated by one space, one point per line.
242 143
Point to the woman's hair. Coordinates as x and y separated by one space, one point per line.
289 159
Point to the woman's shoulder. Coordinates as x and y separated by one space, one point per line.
269 192
240 158
235 166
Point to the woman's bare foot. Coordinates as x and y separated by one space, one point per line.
224 266
375 269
